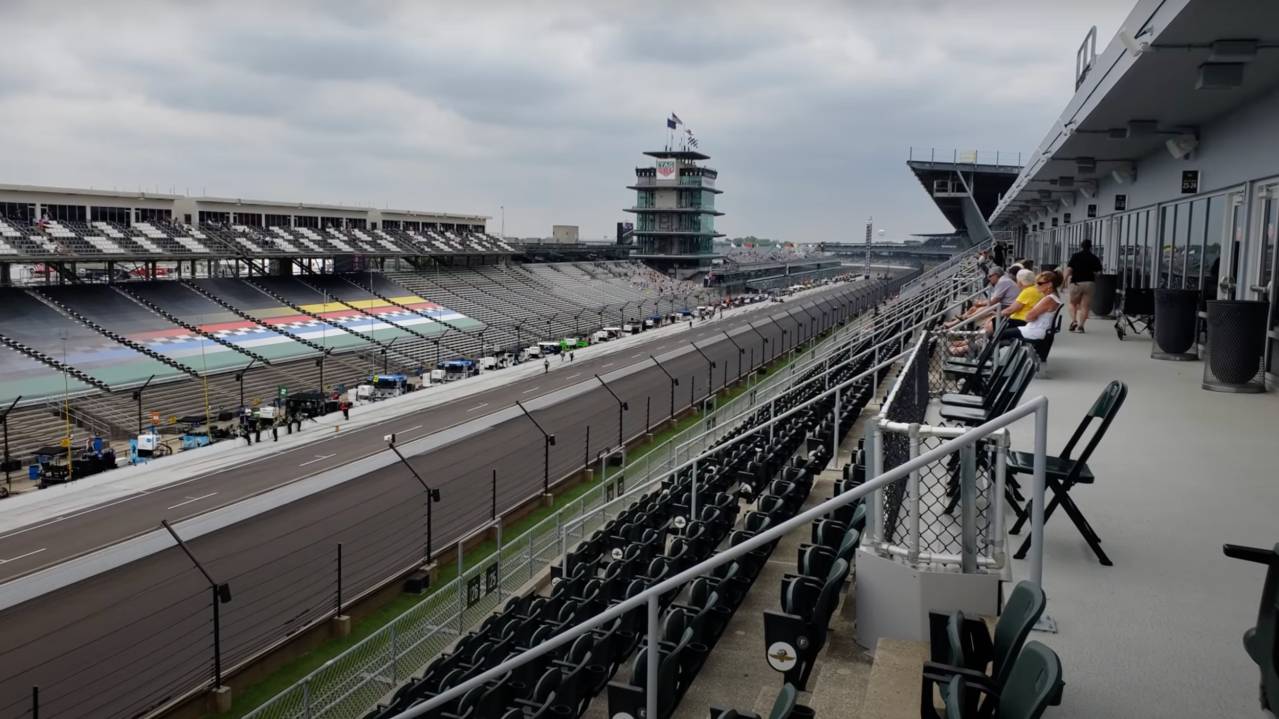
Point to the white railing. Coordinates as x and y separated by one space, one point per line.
651 596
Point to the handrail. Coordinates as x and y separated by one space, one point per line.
1037 406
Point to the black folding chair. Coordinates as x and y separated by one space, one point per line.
1137 310
1063 472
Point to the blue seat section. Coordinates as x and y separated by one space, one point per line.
37 325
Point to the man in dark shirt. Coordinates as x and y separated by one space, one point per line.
1081 272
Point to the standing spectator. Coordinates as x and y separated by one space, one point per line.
546 366
1081 273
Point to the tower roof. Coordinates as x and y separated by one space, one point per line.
678 154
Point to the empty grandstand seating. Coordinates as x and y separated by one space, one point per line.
751 482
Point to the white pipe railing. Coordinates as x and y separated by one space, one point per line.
1038 407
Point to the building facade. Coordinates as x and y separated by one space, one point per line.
675 212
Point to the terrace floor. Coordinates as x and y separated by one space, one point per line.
1181 472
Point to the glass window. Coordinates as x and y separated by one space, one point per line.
21 211
1194 265
1214 226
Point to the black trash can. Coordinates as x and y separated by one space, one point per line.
1103 294
1176 312
1236 343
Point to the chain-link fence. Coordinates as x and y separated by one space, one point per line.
948 512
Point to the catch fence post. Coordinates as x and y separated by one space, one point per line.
461 592
339 596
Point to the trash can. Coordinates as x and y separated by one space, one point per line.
1236 343
1176 312
1103 294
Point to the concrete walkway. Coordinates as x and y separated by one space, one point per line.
1181 472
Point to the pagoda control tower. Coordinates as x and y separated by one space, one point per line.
675 208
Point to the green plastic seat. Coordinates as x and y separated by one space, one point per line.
1262 641
1034 684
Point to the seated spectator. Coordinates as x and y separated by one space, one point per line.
1040 317
994 277
1027 298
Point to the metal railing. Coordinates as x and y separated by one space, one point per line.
913 518
351 683
651 596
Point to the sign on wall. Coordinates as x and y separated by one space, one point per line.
1092 211
1121 203
1054 222
1065 218
1189 182
666 171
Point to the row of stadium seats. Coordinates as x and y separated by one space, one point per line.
53 238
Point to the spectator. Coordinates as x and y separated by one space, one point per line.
1081 272
1027 298
1040 317
546 366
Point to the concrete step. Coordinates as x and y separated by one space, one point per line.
893 691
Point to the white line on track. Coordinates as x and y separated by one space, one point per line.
481 405
579 374
22 556
532 389
318 458
410 429
195 499
606 364
637 354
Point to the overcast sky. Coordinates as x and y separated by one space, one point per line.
807 108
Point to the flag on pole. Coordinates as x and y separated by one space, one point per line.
670 123
676 119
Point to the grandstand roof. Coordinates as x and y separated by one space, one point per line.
988 183
1127 107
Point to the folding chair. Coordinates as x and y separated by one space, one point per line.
1013 386
1063 472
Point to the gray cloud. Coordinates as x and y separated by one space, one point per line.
807 108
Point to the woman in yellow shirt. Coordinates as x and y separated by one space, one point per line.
1026 299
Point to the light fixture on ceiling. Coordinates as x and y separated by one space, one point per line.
1135 45
1182 145
1085 165
1088 188
1125 174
